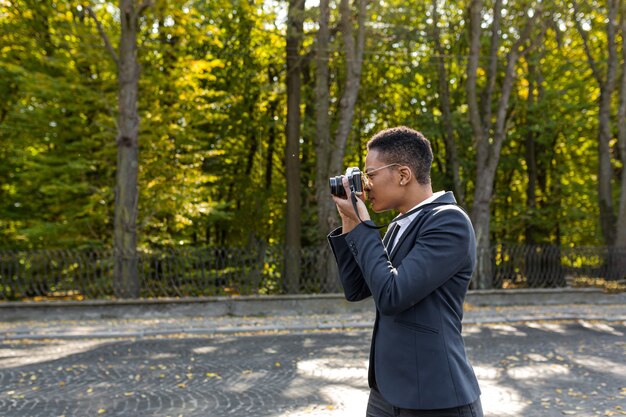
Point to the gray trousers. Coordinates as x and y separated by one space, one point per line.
377 406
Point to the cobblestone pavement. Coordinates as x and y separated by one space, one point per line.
529 369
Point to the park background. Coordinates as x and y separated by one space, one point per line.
175 148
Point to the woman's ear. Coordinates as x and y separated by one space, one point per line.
405 175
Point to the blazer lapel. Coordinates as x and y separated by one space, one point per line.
409 231
427 208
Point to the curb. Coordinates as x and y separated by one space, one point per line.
276 305
293 328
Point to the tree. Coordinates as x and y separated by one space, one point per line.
126 280
330 149
56 159
620 238
489 131
606 80
453 170
295 22
214 105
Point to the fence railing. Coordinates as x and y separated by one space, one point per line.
259 269
548 266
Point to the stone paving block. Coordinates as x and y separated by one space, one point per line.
536 369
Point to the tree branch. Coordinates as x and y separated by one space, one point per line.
103 35
492 72
471 83
143 6
583 35
525 35
517 51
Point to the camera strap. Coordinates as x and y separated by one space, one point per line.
353 198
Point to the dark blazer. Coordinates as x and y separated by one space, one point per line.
417 357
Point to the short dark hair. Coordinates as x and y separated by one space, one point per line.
405 146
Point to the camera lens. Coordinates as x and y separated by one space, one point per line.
336 186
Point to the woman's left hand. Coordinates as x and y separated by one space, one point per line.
349 217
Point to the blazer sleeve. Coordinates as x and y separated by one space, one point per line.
439 251
354 286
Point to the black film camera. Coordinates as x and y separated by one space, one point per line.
355 182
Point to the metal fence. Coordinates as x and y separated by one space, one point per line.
547 266
258 269
175 272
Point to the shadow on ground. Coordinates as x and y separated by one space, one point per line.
531 370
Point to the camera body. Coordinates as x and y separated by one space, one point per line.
355 182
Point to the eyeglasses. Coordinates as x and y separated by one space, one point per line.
366 174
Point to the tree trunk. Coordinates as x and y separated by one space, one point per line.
536 155
620 238
354 64
480 209
326 217
453 177
605 174
492 72
295 21
325 206
472 68
606 82
532 169
126 281
607 86
271 144
605 171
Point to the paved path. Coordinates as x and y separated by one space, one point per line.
142 327
545 367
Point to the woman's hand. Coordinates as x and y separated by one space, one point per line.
346 211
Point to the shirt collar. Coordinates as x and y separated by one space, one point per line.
407 220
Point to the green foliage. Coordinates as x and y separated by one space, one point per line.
212 104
